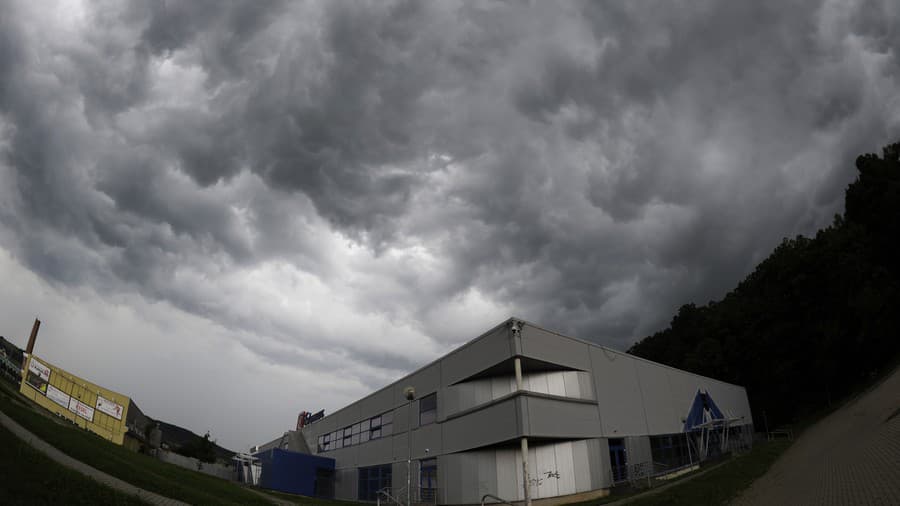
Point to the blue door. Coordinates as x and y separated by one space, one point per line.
617 460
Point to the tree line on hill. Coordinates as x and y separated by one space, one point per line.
816 320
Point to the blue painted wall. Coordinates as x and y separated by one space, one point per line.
291 472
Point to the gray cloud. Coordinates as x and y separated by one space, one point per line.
338 181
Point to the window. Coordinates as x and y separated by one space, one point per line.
427 409
428 480
381 425
373 479
669 452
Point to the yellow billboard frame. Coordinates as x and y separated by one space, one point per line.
80 401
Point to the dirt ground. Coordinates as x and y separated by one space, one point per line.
851 457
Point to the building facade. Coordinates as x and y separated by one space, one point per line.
585 417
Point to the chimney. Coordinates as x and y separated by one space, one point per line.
34 330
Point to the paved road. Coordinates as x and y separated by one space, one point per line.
110 481
851 457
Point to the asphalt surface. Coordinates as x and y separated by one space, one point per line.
851 457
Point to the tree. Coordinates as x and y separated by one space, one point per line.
814 320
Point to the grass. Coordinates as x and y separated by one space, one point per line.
300 499
30 477
718 486
139 470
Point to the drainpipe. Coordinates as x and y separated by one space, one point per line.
516 328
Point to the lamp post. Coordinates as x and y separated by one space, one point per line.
410 394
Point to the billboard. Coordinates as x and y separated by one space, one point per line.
81 409
38 376
110 408
87 404
58 396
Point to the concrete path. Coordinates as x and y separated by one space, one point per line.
850 457
275 500
60 457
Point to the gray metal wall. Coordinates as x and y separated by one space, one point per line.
635 396
603 394
559 468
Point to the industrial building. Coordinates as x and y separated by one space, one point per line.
587 418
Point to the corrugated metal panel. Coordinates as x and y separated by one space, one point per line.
507 485
545 471
565 467
582 466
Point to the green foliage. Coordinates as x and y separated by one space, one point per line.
813 321
203 449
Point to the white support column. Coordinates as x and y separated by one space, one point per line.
519 383
525 471
525 484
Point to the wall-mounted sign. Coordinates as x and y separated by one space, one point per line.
81 409
58 396
109 407
38 375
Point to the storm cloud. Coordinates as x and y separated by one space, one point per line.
350 189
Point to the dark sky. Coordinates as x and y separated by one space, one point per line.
234 211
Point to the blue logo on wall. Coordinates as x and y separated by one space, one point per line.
702 410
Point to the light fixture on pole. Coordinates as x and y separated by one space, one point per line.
410 394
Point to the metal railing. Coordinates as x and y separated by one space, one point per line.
785 433
499 499
385 492
418 495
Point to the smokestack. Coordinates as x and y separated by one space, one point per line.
34 330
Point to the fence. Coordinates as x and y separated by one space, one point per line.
418 495
667 463
216 470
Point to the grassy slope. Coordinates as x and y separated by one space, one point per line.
139 470
718 486
30 477
300 499
723 483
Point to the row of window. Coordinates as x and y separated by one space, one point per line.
372 428
376 427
